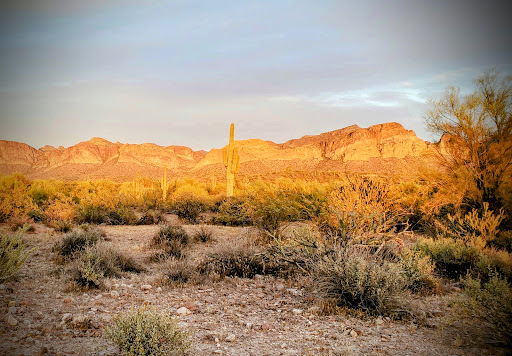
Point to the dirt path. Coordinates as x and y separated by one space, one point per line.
260 316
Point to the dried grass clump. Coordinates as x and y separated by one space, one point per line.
203 235
146 331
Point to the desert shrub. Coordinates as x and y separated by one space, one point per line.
418 271
35 215
150 217
77 240
63 226
269 210
121 216
487 305
232 211
502 241
188 207
145 332
99 261
356 279
242 258
180 271
172 239
91 214
362 209
21 222
452 258
13 253
476 228
203 235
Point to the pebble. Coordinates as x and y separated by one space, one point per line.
68 300
248 325
379 321
11 310
183 311
12 321
283 345
114 294
146 287
231 338
2 287
190 306
12 303
297 311
66 317
159 289
353 333
280 287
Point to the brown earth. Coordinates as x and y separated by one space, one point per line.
234 316
380 148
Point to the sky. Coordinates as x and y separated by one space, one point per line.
179 72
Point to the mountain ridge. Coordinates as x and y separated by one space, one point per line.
352 148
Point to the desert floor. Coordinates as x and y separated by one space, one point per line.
233 316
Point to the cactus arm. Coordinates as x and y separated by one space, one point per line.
225 156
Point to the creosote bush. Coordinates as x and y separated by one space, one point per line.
487 305
78 240
356 279
203 235
145 331
101 261
13 254
172 239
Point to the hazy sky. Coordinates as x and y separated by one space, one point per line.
179 72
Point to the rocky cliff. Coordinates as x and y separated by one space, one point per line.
384 147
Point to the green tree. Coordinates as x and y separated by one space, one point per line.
477 137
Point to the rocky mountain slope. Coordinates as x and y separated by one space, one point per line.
385 147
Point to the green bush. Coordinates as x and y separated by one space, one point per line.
418 271
121 216
356 279
232 211
188 207
488 305
145 332
90 214
13 253
78 240
100 261
172 239
452 258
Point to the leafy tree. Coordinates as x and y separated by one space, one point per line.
477 137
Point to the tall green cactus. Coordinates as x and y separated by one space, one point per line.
231 161
164 185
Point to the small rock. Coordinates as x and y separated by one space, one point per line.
183 311
11 310
266 327
81 322
353 333
216 340
114 294
190 306
66 317
280 287
248 325
283 345
297 311
68 300
379 321
12 303
15 339
12 321
159 289
231 338
146 287
2 287
294 291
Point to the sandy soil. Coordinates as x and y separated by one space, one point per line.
260 316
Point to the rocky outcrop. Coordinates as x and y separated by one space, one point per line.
370 149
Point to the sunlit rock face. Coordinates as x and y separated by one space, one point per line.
365 149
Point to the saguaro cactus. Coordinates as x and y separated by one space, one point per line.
231 161
164 185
